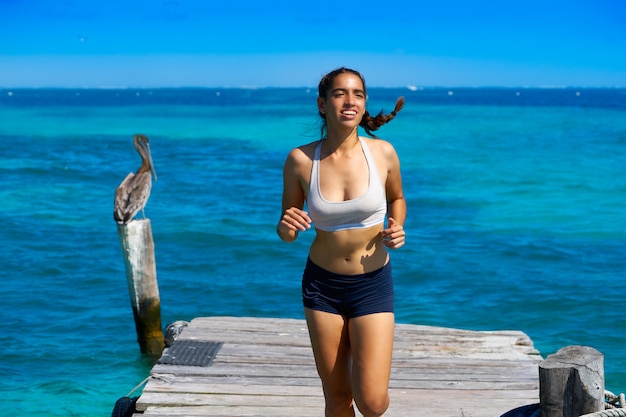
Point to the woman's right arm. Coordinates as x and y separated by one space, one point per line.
293 219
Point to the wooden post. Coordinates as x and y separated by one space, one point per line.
571 382
138 248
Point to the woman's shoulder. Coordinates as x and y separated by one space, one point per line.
302 156
379 146
304 151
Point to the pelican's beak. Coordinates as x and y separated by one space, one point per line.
146 148
151 166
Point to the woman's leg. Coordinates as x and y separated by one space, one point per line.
371 340
331 348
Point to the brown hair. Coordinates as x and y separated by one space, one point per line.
368 123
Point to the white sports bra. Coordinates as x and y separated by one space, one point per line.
365 211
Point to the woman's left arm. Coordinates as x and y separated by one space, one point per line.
393 235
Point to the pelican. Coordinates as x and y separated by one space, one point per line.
132 194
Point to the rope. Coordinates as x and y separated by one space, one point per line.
614 401
614 406
616 412
138 386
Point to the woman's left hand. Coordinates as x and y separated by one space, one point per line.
393 235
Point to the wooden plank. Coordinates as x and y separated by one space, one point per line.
266 368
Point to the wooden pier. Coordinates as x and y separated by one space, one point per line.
264 368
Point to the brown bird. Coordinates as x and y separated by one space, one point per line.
132 194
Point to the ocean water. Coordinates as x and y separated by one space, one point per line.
516 220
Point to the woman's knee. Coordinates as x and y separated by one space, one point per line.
373 406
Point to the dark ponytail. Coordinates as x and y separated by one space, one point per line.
369 123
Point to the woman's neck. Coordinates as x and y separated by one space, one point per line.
340 140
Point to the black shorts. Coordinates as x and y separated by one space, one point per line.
347 295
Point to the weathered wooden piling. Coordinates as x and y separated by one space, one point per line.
138 249
571 382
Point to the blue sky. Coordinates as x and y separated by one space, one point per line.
174 43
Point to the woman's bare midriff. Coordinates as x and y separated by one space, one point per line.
343 252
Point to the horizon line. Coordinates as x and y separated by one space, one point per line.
409 87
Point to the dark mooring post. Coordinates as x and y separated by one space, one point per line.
571 382
138 248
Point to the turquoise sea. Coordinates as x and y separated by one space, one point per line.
516 220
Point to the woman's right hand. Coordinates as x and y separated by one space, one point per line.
296 219
293 220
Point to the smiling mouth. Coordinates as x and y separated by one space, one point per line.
349 112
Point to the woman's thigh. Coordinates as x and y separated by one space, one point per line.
371 341
331 348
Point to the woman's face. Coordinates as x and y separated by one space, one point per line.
344 104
